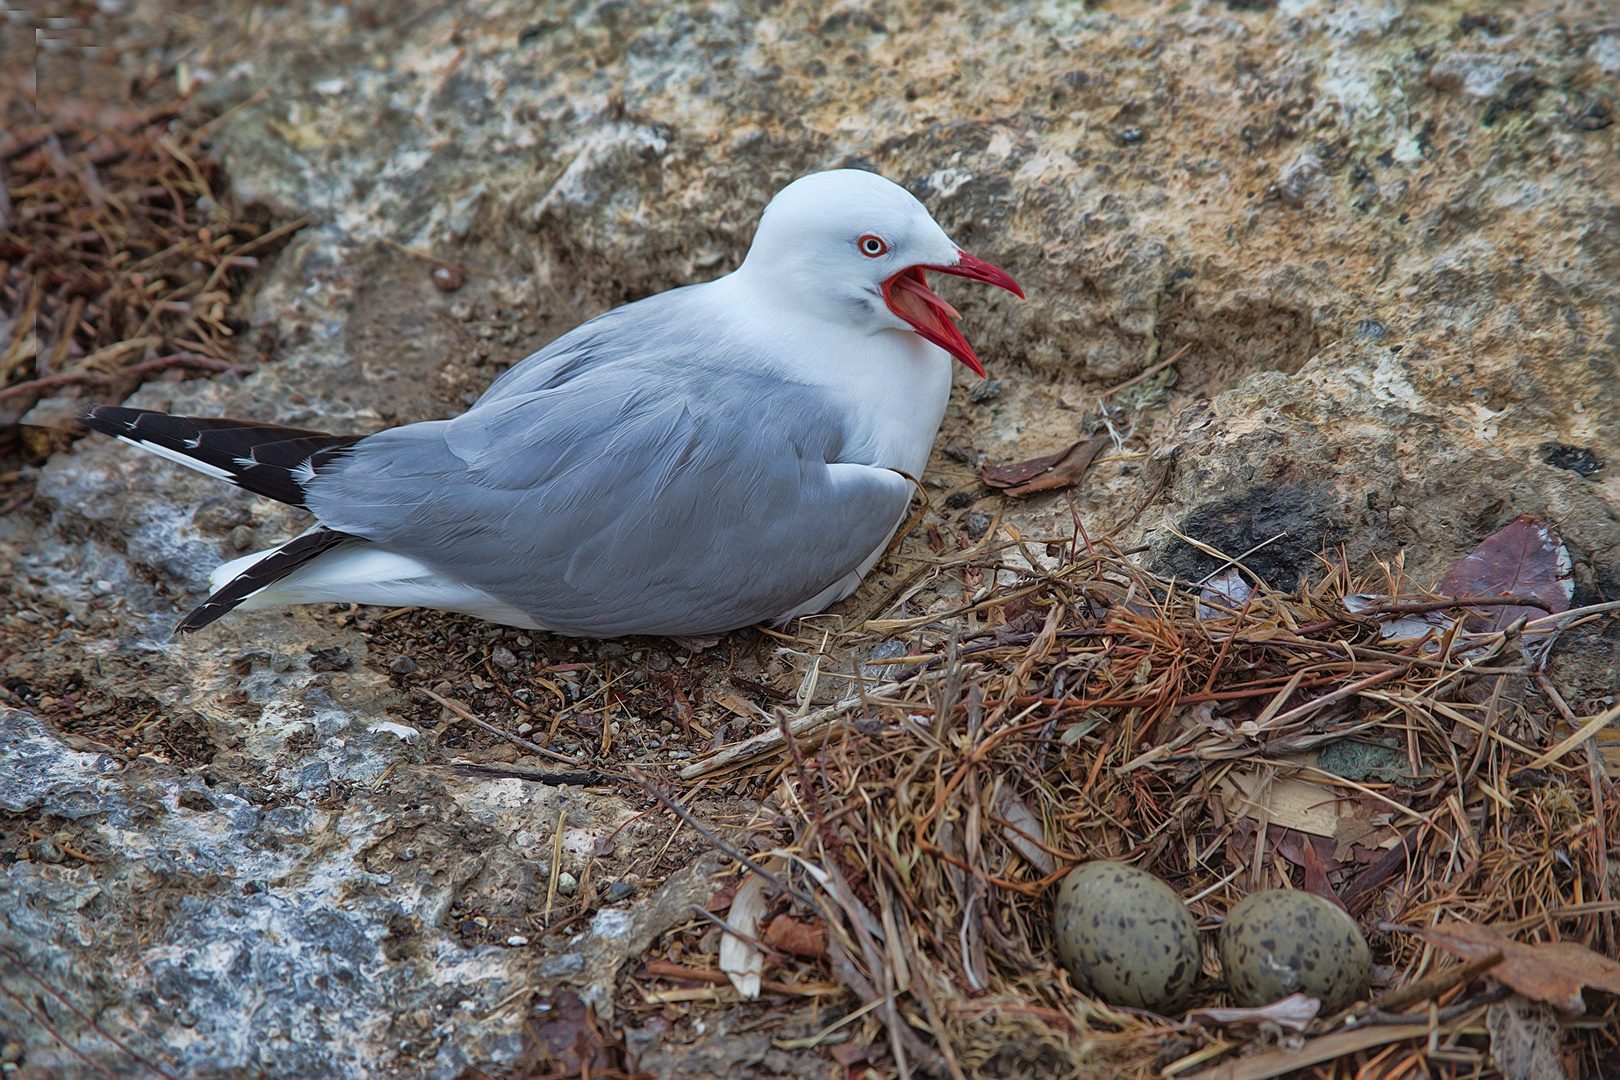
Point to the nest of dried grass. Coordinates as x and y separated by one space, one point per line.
1227 741
122 256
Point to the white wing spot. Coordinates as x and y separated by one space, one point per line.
305 472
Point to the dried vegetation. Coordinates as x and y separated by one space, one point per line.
122 257
1423 774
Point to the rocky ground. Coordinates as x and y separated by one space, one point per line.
1378 246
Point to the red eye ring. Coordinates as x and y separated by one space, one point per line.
872 246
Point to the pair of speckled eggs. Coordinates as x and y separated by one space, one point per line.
1126 937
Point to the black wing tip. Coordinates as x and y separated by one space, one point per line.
267 571
198 617
99 418
267 459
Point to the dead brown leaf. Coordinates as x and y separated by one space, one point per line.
1356 836
1049 473
849 1054
1311 853
1316 872
1553 972
1524 1040
1525 558
796 936
568 1039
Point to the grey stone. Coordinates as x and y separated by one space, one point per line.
988 390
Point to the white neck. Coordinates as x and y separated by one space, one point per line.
891 383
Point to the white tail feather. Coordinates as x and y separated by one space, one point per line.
366 574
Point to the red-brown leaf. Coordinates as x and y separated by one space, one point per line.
807 939
1526 558
565 1033
1316 872
1553 972
849 1054
1060 470
1002 476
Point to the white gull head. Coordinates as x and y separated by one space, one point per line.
853 248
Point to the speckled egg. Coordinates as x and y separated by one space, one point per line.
1125 936
1284 941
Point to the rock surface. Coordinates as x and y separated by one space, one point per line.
1382 245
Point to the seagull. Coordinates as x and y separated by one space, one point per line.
723 454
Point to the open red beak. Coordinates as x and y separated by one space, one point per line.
909 297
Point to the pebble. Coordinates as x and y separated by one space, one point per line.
567 883
503 659
45 851
988 390
517 940
447 278
402 665
619 890
220 516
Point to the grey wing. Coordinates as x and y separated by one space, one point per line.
626 501
602 341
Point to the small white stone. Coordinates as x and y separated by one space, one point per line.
402 732
567 883
611 923
517 939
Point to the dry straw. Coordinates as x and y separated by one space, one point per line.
1100 712
122 256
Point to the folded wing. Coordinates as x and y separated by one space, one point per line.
625 498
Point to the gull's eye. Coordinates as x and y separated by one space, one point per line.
872 246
